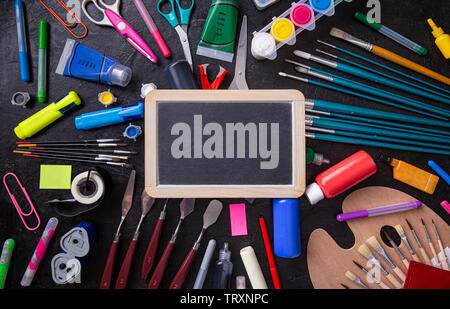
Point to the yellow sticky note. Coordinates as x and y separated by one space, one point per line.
55 177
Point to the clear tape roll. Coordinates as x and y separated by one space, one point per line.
80 179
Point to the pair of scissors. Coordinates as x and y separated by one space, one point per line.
239 81
112 18
181 27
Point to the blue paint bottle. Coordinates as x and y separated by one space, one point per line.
80 61
286 228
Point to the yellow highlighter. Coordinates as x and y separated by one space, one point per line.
47 115
413 176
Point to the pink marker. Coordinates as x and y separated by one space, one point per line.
39 252
446 206
152 27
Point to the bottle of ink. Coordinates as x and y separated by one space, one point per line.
442 39
223 269
413 176
341 177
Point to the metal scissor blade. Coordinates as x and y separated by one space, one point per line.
135 45
239 81
185 44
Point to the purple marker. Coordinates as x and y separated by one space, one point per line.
378 211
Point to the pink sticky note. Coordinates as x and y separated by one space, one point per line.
238 219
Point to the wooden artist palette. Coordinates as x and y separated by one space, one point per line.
328 262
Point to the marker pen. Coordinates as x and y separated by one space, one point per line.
42 67
107 117
22 40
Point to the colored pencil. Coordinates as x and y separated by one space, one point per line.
367 142
383 66
62 156
74 144
87 154
367 75
127 165
105 140
328 106
87 150
357 94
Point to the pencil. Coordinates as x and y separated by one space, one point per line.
273 267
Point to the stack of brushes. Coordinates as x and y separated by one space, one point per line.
63 150
439 260
369 127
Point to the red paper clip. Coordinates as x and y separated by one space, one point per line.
16 204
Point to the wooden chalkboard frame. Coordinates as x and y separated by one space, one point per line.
294 190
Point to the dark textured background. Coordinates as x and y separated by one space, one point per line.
408 17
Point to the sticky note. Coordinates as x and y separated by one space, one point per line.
238 220
55 177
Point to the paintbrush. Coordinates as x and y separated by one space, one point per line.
388 55
404 238
85 150
441 247
400 254
419 243
436 259
75 144
127 165
345 287
377 281
355 279
92 156
365 251
373 242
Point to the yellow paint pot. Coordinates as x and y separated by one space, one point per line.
283 30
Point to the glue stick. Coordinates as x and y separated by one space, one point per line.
341 177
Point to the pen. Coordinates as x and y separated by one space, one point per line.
205 265
21 37
378 211
42 68
39 252
273 267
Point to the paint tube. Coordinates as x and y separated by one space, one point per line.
219 33
80 61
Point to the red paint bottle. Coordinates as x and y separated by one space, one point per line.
341 177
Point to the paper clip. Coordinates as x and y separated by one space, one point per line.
16 204
62 22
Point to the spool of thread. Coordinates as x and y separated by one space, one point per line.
264 46
325 7
283 30
302 16
96 187
253 269
286 228
180 75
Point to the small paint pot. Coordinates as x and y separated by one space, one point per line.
325 7
302 16
264 46
283 30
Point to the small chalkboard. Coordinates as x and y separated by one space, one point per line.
224 143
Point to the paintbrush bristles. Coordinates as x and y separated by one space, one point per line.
399 229
409 225
387 236
350 275
338 33
373 242
364 250
302 54
423 222
357 264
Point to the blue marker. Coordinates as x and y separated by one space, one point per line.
439 171
109 117
23 53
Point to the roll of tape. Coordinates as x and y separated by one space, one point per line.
94 177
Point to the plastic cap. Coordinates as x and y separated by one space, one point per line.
120 75
436 31
314 193
146 88
42 34
363 18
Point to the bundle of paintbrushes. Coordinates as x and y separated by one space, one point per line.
63 150
373 275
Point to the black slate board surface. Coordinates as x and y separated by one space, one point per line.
407 17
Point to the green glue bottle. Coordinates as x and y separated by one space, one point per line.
219 33
315 158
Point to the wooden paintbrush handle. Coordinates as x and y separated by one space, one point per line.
425 256
436 259
384 286
388 55
394 281
399 273
406 263
444 256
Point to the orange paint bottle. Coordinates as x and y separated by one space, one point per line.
413 176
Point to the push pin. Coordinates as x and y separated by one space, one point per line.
20 99
132 131
107 98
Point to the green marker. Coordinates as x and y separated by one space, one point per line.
391 34
42 69
315 158
5 259
219 33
